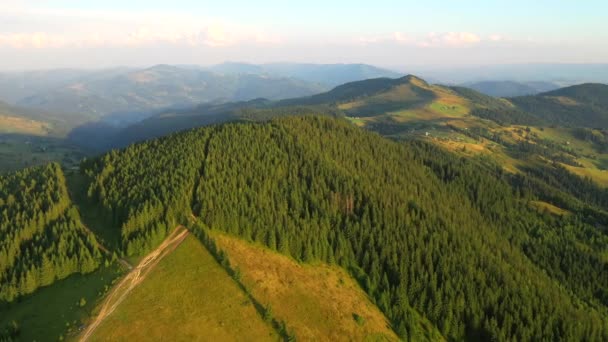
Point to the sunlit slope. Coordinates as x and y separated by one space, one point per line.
411 99
14 121
187 297
37 122
317 302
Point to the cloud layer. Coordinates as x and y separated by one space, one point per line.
87 38
433 39
68 28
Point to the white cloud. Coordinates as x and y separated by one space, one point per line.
61 28
496 38
38 40
450 39
432 39
401 37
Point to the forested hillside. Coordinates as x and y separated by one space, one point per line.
146 189
425 232
41 236
584 105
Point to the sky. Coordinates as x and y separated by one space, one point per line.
43 34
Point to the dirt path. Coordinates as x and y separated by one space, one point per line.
131 280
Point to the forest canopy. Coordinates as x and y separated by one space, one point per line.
425 232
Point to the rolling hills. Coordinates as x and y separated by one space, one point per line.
328 75
437 227
457 118
130 96
83 110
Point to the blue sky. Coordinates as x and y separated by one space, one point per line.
384 32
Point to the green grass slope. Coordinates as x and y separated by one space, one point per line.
58 311
188 296
317 302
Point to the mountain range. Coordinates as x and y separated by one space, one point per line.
124 95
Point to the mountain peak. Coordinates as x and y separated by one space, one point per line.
413 79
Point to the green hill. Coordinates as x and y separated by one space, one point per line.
362 89
584 105
423 231
382 104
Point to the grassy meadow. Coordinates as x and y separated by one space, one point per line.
187 297
59 310
317 302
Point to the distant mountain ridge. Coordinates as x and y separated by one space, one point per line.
122 96
584 105
131 96
353 90
329 75
393 105
511 88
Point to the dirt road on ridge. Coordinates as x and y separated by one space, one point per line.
133 278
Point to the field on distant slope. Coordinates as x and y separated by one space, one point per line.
13 124
318 302
413 100
21 151
188 296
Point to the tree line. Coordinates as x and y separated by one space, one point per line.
41 236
